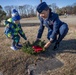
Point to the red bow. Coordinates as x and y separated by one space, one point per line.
37 48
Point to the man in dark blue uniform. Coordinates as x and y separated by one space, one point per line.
52 22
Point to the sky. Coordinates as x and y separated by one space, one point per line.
59 3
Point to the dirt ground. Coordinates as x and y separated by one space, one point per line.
16 62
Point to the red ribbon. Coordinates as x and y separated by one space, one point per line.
37 48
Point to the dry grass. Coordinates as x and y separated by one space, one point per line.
16 62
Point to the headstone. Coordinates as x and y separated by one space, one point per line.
44 65
1 73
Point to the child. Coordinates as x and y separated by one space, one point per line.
13 30
54 25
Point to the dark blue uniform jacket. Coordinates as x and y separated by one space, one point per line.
52 23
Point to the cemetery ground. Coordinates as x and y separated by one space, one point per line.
61 62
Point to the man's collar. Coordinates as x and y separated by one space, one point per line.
50 13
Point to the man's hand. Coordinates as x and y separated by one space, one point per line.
47 45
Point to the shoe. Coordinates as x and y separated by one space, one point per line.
19 45
56 47
14 48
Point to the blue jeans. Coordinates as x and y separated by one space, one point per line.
63 30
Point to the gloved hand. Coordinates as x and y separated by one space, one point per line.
9 36
27 41
37 40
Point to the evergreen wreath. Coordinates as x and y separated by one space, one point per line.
29 48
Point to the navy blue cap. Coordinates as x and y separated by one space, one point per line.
42 6
15 15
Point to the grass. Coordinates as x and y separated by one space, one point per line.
15 62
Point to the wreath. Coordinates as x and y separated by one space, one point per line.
34 47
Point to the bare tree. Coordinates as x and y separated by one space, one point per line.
25 12
74 4
53 7
21 10
74 10
2 14
8 10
